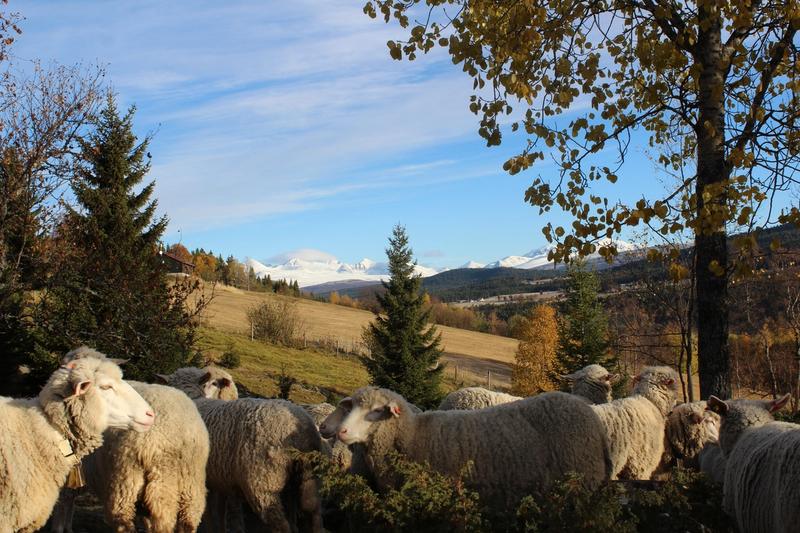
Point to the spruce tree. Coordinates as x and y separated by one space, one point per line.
582 327
405 347
111 291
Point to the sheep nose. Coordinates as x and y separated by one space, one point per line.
150 414
342 432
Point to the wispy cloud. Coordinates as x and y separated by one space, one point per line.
262 108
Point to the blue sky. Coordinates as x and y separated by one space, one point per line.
285 125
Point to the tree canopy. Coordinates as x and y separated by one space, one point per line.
711 85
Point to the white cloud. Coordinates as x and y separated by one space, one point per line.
263 108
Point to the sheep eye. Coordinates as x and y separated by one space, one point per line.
105 387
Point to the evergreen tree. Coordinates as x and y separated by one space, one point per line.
405 348
582 328
111 291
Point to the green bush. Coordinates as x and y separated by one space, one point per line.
687 501
422 501
571 507
230 358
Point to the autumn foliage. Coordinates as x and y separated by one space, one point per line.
535 360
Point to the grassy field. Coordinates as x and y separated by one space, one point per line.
471 356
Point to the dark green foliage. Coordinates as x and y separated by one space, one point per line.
477 283
423 500
285 384
569 507
110 290
687 501
230 358
404 347
582 327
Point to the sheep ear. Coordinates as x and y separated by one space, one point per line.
162 378
69 365
612 378
118 362
777 405
669 382
696 418
82 387
205 378
717 406
347 403
567 377
224 382
395 409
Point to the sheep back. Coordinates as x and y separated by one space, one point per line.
250 441
470 398
762 479
514 448
635 432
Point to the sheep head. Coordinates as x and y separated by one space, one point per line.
330 426
739 415
87 395
370 407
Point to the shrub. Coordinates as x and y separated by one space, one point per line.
424 500
570 507
230 358
275 320
687 501
285 384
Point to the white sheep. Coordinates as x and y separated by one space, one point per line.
762 474
210 382
592 382
163 470
251 456
318 411
43 438
635 425
712 463
514 448
470 398
150 469
689 428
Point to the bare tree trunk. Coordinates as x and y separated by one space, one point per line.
689 326
711 194
773 382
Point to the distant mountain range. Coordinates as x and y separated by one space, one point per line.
322 273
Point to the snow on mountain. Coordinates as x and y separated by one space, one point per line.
511 261
537 258
312 267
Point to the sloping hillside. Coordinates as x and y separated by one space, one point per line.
473 353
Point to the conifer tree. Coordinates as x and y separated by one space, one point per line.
405 347
111 291
582 328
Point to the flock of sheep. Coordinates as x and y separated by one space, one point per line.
189 449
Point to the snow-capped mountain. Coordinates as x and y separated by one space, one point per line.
310 267
537 258
313 267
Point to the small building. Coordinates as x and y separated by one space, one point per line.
176 265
